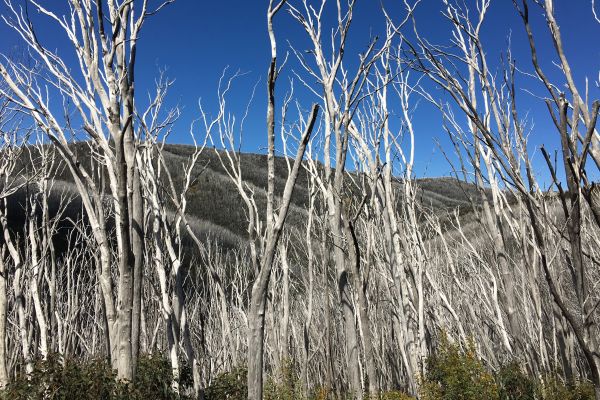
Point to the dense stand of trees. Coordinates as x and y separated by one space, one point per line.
354 296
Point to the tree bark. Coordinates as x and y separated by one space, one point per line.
4 377
363 307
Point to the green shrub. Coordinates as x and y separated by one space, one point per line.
554 388
321 393
456 374
232 385
395 395
64 379
514 384
70 379
451 374
285 385
153 380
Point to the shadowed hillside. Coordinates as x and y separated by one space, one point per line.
214 206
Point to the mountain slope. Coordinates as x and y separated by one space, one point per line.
214 206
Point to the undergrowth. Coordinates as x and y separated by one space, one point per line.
453 372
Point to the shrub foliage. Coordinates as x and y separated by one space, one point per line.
70 379
456 374
452 373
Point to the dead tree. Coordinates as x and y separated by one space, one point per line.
263 245
166 228
104 38
263 237
338 112
12 178
500 141
575 122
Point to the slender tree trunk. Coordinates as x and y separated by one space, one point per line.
406 334
346 303
309 307
181 312
4 377
22 319
167 310
285 321
352 350
256 335
137 234
40 314
363 307
126 266
326 258
258 299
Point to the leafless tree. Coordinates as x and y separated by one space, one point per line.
263 236
499 156
104 38
12 179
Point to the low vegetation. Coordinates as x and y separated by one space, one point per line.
453 372
65 379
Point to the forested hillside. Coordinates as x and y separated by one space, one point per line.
215 208
325 265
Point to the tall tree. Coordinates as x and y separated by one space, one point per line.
100 87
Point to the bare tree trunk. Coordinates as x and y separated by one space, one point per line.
4 376
347 306
167 310
23 332
137 230
325 262
258 299
363 307
36 262
180 309
126 266
351 339
256 333
17 284
310 289
285 321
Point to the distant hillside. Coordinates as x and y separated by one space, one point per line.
216 209
214 198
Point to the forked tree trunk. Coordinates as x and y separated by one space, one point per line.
363 307
347 306
258 299
351 339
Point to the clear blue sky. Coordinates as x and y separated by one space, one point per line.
196 39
